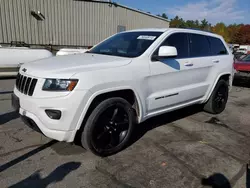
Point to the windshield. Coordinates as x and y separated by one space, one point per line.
246 58
128 44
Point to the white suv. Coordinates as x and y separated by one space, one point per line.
124 80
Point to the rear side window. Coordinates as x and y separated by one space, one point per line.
180 42
217 46
199 46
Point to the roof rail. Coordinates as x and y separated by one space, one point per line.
197 29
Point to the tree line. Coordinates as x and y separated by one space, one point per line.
233 33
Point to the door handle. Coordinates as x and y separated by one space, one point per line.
216 61
188 64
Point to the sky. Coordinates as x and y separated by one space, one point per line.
227 11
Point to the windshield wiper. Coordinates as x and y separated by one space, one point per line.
111 54
103 53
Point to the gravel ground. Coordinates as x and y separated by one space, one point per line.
186 148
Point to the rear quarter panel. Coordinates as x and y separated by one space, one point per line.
224 67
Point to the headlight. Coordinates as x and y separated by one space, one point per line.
59 84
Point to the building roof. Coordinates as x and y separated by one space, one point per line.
126 7
146 13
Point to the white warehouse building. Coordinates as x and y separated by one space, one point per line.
69 22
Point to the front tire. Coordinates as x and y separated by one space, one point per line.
218 100
109 127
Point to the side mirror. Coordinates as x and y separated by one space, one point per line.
167 51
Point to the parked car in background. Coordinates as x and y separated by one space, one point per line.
70 51
11 58
100 95
242 66
239 55
245 49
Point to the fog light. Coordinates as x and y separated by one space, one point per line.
54 114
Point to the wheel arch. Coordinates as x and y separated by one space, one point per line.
225 76
99 96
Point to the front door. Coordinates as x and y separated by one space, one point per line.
179 80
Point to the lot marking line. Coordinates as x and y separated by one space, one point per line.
21 149
113 178
167 152
241 172
210 145
26 156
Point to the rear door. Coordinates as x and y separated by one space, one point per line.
222 59
203 63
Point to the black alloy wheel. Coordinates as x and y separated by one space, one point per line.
218 99
221 97
109 127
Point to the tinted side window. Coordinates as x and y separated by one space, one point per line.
217 47
180 41
199 46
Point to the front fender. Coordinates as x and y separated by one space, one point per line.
99 92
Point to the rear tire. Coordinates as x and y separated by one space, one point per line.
109 127
218 100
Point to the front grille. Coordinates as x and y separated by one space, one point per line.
25 85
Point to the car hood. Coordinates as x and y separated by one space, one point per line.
69 65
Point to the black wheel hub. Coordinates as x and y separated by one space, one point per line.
111 128
221 97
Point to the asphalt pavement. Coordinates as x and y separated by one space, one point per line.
185 148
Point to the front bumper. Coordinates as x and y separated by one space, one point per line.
71 107
34 123
30 123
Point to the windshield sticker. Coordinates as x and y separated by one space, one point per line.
146 37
